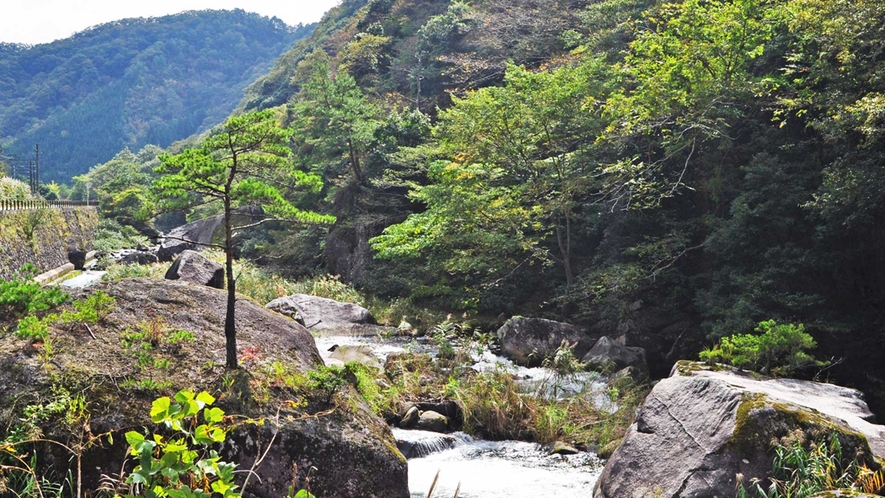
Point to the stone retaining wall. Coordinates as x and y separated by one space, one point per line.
44 237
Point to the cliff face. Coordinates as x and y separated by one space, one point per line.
44 237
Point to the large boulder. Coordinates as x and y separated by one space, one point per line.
608 355
527 341
328 429
77 256
190 236
193 267
324 315
698 429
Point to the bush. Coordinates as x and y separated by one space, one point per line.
798 472
14 190
780 349
23 296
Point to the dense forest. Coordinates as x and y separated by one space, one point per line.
131 83
670 173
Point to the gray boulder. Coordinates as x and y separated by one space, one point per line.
607 355
135 257
352 451
324 315
433 422
193 267
527 341
410 419
188 236
359 354
699 429
77 256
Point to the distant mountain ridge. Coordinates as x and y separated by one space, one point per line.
130 83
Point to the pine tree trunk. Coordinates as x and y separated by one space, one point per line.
230 331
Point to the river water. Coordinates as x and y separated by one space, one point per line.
487 469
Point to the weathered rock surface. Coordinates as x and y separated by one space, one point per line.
353 451
527 341
325 315
410 419
698 429
359 354
46 244
607 355
77 256
193 267
188 236
432 421
135 257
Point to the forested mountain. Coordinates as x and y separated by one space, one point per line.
668 172
130 83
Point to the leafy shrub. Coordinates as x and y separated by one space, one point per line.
32 327
779 349
14 190
93 309
182 464
22 295
112 236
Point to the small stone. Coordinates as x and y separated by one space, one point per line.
433 422
563 448
410 419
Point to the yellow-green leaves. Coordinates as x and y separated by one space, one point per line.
171 465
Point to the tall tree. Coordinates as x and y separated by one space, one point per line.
245 163
336 122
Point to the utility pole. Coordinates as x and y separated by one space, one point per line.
37 169
31 175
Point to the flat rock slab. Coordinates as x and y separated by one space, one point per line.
326 316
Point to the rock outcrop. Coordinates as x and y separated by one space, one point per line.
191 266
698 429
325 315
330 429
527 341
607 355
188 236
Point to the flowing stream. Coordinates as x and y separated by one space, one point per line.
487 469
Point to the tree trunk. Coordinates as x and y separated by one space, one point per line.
355 163
230 330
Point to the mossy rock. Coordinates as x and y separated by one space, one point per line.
701 428
117 377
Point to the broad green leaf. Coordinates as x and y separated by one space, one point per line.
160 409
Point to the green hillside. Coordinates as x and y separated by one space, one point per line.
130 83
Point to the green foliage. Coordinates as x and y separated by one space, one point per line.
336 123
780 349
13 190
132 82
798 472
23 296
93 309
112 236
246 163
182 464
31 327
509 194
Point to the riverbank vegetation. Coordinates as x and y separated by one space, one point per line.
681 171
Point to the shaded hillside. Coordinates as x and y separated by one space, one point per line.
130 83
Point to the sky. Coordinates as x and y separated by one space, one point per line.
42 21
